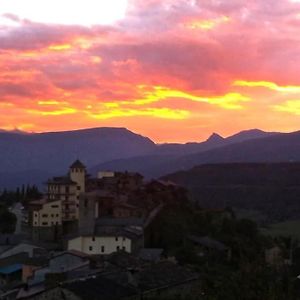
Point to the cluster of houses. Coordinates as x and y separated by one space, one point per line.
95 215
86 238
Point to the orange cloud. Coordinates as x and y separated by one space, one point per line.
166 63
269 85
290 106
207 24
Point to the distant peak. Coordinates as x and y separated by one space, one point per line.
215 138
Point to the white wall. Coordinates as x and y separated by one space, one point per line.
49 215
90 245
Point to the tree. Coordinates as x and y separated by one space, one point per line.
8 221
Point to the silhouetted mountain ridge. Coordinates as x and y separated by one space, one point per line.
189 155
121 149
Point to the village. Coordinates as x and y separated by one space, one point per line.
117 236
90 234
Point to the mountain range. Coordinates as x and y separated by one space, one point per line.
32 158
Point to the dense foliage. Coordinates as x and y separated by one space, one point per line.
7 220
23 195
246 275
272 189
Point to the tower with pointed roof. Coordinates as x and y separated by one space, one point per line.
77 174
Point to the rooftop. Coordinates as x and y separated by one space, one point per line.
120 222
10 269
99 288
61 180
77 164
208 242
150 254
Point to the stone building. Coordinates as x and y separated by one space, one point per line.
45 219
67 189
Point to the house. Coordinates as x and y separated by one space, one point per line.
208 246
92 288
126 210
162 279
10 274
105 174
11 269
104 243
61 263
30 265
31 250
45 218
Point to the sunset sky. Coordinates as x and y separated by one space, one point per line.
173 70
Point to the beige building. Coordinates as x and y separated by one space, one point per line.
101 244
46 213
67 189
107 239
106 174
45 218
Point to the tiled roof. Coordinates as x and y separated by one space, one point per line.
162 275
77 164
64 180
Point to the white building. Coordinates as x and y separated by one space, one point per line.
100 244
46 213
126 239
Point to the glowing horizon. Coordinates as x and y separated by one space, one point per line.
172 70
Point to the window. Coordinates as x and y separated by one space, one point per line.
57 215
91 248
102 249
35 223
52 215
117 238
85 203
124 238
45 223
78 187
93 239
67 189
123 248
118 248
44 215
54 206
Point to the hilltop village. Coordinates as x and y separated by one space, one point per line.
90 233
117 236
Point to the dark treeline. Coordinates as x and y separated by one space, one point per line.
23 195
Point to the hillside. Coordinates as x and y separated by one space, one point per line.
168 158
242 147
271 189
31 158
53 152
